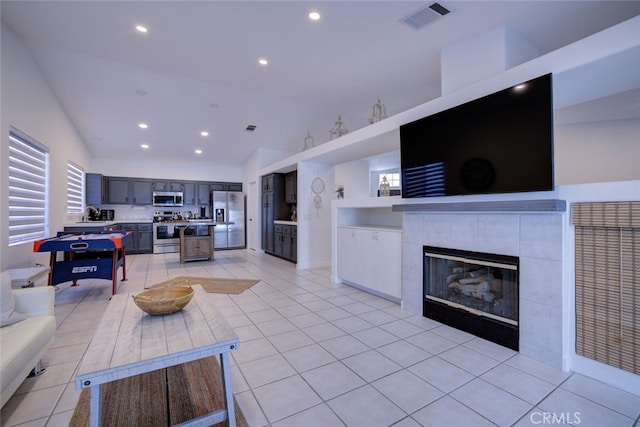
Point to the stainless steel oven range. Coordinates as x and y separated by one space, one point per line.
166 236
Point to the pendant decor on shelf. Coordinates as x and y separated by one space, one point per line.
379 112
385 187
317 187
308 141
338 129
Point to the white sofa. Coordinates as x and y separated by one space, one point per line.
24 343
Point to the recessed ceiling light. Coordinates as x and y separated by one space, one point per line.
141 28
520 86
145 146
263 61
250 128
143 125
314 16
204 133
198 151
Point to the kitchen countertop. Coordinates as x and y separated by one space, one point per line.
145 221
284 222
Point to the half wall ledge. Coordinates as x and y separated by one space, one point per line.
540 205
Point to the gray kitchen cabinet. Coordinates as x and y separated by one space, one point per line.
118 191
217 186
273 207
291 187
285 242
203 193
145 238
95 189
225 186
168 186
142 238
190 195
141 193
127 191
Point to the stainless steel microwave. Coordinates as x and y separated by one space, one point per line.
167 198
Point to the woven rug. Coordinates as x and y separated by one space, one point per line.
212 284
160 398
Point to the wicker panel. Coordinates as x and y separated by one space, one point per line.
608 283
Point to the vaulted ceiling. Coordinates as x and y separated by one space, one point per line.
196 68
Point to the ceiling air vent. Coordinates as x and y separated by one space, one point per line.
250 128
420 18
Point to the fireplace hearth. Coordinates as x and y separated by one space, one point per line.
472 291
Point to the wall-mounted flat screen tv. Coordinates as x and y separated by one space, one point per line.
500 143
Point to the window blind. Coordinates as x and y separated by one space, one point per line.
28 189
75 188
607 282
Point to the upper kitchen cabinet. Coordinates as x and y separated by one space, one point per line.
168 186
225 186
291 187
125 191
141 193
203 193
218 186
190 194
96 189
118 191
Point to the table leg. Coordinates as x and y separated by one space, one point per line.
228 392
114 272
124 265
52 261
95 406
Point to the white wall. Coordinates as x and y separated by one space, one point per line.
597 152
314 224
188 171
29 105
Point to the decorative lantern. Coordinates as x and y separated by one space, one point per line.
308 141
338 129
385 187
379 112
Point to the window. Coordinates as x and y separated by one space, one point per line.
393 179
75 188
28 189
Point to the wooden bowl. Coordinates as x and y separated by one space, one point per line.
163 300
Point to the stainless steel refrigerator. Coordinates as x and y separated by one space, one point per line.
228 211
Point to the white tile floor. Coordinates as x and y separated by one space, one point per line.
314 353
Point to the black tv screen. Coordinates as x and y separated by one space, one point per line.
500 143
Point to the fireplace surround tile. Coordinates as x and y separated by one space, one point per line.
541 236
499 233
435 228
464 232
536 238
544 279
541 332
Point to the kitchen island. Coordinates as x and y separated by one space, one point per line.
197 242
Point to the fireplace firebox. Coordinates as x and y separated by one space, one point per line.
474 292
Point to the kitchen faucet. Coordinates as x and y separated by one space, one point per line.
93 212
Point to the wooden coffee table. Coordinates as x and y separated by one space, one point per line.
130 342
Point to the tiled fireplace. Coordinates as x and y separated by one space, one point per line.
530 231
473 291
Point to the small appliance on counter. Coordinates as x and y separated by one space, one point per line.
203 211
107 215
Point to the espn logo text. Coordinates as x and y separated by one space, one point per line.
84 269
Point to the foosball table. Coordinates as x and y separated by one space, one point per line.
86 255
